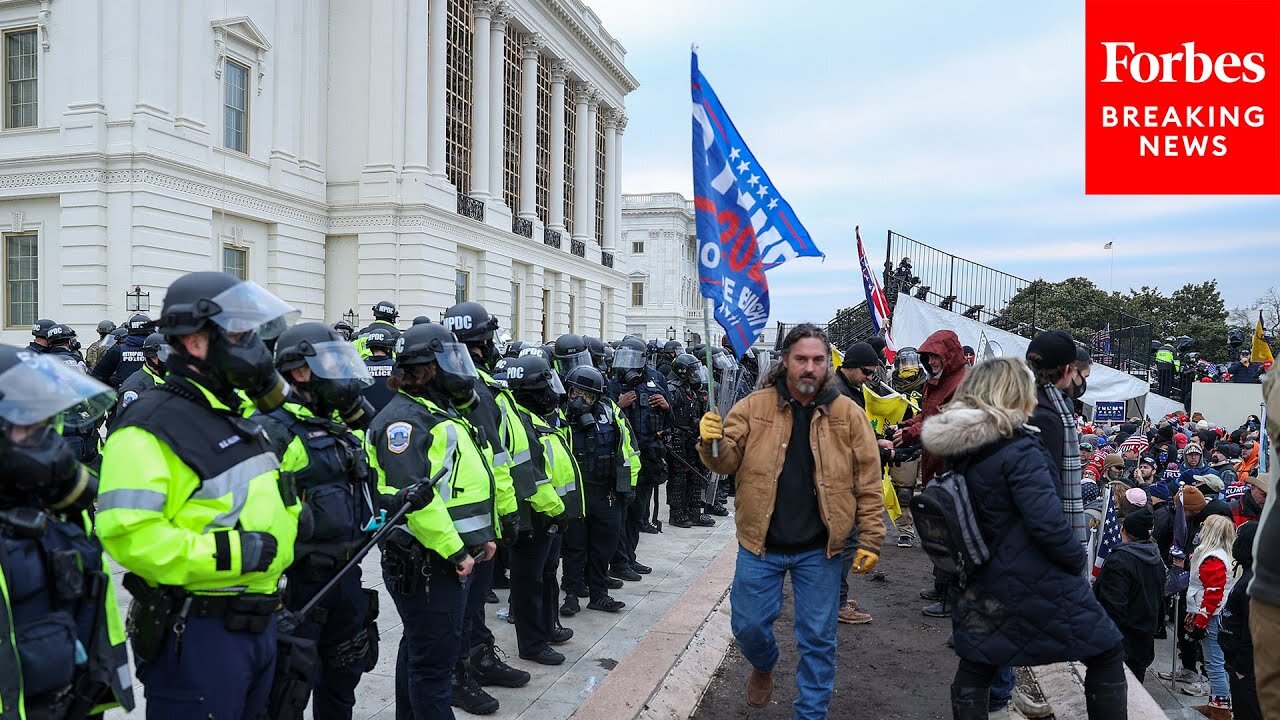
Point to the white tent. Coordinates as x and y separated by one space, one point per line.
914 320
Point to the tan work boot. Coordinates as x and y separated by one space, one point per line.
851 615
759 688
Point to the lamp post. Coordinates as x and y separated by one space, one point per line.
671 332
351 318
137 301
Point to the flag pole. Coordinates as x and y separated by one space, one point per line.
711 368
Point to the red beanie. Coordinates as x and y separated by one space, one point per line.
1181 439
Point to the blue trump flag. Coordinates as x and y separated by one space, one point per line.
744 225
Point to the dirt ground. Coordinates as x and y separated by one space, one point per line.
896 668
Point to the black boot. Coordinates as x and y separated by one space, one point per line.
489 669
1107 701
468 695
701 520
719 510
560 634
969 703
679 518
570 606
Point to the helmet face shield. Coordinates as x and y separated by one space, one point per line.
554 383
249 307
455 359
38 388
723 362
336 360
628 359
578 359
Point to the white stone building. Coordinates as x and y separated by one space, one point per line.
659 235
339 152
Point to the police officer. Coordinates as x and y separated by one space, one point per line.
667 356
65 655
155 352
641 393
124 358
596 347
421 437
570 351
95 350
40 336
536 553
191 506
610 468
688 390
384 316
62 347
323 462
344 328
491 410
380 343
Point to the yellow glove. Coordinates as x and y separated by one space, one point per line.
710 427
864 561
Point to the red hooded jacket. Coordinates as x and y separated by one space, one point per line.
937 392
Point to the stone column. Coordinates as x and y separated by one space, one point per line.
608 237
555 213
497 98
584 162
437 74
530 48
480 98
415 160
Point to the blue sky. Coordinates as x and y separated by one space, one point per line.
958 124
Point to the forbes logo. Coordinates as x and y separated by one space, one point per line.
1186 66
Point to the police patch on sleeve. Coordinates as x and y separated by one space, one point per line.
128 397
398 436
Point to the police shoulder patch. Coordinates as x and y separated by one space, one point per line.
398 434
128 397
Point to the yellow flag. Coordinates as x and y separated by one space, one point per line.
1261 352
837 358
883 411
890 497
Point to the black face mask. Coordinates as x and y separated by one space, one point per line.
1078 391
630 377
341 396
580 408
247 365
43 470
459 388
542 401
489 355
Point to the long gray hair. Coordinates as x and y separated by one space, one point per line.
804 330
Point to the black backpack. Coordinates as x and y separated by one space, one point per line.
946 523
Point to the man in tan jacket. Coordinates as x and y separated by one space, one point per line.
808 469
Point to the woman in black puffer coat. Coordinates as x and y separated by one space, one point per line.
1031 604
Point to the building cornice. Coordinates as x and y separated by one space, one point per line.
570 13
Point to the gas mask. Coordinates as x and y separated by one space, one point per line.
489 355
459 388
542 401
328 396
247 365
630 377
579 407
42 468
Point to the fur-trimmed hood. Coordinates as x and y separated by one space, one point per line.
959 431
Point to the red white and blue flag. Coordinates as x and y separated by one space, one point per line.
877 303
744 226
1110 539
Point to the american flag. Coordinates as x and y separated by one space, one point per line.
1110 536
877 303
1102 339
1179 544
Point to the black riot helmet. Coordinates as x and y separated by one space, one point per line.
433 343
421 320
38 468
231 311
337 372
155 348
60 335
534 384
629 361
474 326
595 346
382 338
571 352
386 310
672 348
105 327
689 371
344 327
515 349
141 324
40 328
585 387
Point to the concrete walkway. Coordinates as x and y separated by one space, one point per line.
600 642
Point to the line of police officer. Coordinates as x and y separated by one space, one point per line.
227 467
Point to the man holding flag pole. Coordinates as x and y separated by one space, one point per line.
793 514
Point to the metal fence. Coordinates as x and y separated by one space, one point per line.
1011 303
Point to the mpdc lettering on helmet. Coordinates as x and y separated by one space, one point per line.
515 373
458 322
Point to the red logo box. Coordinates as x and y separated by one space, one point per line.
1182 97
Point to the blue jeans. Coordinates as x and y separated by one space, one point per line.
1214 662
1001 689
756 598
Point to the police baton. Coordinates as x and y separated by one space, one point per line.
377 537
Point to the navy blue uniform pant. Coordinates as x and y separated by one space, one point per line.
213 672
344 611
533 590
432 617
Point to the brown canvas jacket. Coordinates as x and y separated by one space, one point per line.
846 460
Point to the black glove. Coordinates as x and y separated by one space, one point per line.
416 495
629 497
510 528
257 550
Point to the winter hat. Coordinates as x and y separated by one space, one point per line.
1180 439
1088 491
860 355
877 343
1090 439
1202 424
1218 461
1192 448
1165 431
1159 492
1231 450
1137 496
1112 461
1192 500
1138 524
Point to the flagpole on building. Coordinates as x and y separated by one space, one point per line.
711 367
1111 250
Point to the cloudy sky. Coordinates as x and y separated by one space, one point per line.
957 125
